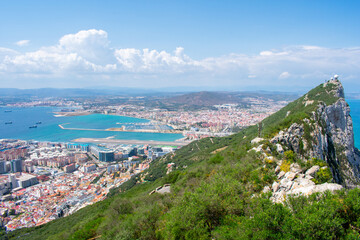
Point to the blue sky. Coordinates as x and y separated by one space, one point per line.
267 45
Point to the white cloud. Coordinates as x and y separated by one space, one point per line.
284 75
22 43
88 54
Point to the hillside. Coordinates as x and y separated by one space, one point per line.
206 100
203 98
290 177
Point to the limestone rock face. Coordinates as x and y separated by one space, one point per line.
331 138
336 144
312 170
295 183
291 137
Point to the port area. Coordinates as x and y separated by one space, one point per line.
130 142
122 129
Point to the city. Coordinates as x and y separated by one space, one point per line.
42 181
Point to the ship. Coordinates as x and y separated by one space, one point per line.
8 122
38 122
33 126
7 111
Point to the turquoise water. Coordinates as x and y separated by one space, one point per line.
355 114
49 130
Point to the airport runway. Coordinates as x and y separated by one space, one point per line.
132 142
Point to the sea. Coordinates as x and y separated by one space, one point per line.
49 130
355 115
22 118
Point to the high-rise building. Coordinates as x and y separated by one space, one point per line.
16 165
2 166
12 180
106 156
103 154
70 168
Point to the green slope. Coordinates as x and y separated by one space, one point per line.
215 194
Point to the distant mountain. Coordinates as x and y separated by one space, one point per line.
204 98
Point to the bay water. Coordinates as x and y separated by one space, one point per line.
49 130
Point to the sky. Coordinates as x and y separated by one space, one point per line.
210 45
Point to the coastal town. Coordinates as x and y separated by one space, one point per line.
221 120
42 180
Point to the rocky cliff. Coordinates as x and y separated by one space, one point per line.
325 132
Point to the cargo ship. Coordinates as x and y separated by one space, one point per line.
33 126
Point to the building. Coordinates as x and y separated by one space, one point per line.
69 168
103 154
106 156
89 168
82 147
5 187
113 168
16 165
27 180
2 167
12 180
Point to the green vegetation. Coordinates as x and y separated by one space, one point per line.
298 110
216 193
322 176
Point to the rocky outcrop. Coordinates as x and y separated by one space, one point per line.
295 182
327 135
290 138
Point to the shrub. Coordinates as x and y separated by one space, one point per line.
289 155
216 159
322 176
315 161
285 166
